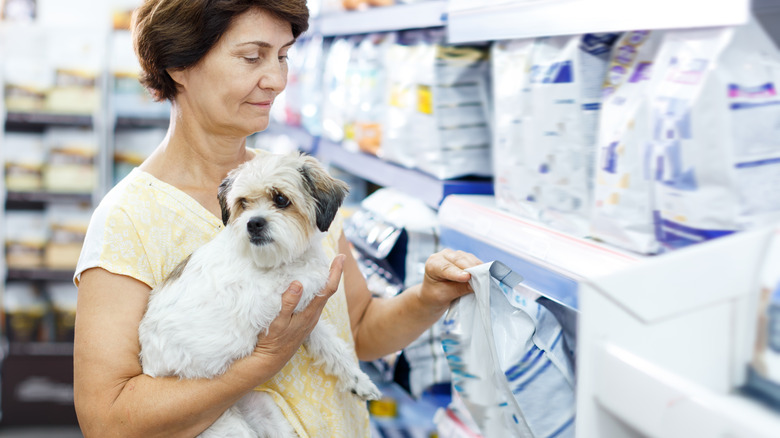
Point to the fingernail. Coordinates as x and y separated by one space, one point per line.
296 288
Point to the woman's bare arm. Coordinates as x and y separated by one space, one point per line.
114 398
384 326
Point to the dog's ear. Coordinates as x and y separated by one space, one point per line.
222 194
327 191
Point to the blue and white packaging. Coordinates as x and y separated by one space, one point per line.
622 212
716 133
510 361
561 116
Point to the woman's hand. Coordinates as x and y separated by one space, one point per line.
288 331
445 278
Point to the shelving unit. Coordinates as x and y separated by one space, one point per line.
400 17
553 263
513 19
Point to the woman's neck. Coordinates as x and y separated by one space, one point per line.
194 160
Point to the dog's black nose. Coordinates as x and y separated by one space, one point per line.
256 225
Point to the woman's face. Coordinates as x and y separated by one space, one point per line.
230 91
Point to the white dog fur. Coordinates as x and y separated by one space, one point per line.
210 310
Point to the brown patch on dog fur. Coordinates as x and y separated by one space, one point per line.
177 271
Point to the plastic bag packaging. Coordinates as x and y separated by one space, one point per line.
510 66
335 88
400 98
510 357
764 370
716 133
623 194
561 115
450 127
370 113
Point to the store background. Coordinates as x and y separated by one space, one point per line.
367 96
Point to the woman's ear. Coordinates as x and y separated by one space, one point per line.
177 74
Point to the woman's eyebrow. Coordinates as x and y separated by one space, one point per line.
265 45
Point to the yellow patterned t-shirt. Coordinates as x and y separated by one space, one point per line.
145 227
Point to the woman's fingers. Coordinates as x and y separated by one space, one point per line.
449 265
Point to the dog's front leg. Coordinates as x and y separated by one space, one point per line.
335 357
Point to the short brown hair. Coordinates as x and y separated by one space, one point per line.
176 34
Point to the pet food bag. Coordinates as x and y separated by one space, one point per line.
400 98
334 87
716 133
509 358
560 117
510 65
622 212
450 131
764 370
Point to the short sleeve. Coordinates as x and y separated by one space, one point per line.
114 244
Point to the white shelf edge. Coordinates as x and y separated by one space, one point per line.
466 21
673 406
574 257
382 19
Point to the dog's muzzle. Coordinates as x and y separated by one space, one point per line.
257 228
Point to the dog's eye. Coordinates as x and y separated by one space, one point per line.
281 201
242 202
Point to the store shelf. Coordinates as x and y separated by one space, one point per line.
467 19
41 348
21 120
430 190
134 121
672 406
47 197
40 274
388 18
551 262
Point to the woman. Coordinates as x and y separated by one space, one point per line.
221 64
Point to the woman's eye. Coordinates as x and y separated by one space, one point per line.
281 201
284 58
251 60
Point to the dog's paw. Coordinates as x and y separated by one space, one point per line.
365 389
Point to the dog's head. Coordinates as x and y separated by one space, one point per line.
275 204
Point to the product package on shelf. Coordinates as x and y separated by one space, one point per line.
74 92
511 355
560 118
24 161
63 305
310 84
716 138
26 78
67 229
334 84
510 66
25 238
450 129
368 133
132 147
23 312
400 98
622 212
71 160
75 55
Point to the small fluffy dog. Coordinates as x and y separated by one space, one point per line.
210 310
